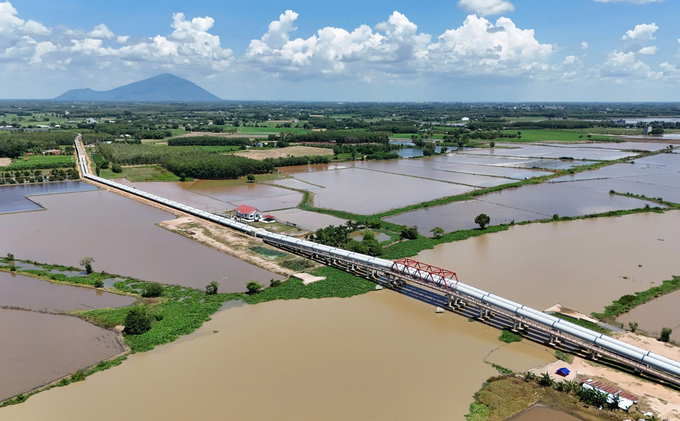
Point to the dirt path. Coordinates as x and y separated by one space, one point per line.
225 240
5 162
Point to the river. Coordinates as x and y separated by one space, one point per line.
376 356
584 264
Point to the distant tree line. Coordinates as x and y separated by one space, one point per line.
209 141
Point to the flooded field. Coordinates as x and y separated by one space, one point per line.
366 192
656 314
34 294
311 221
120 234
179 192
376 356
359 235
543 413
515 162
14 197
38 348
526 203
543 151
584 265
655 176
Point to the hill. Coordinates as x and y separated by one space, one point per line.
161 88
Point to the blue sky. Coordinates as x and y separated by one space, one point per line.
460 50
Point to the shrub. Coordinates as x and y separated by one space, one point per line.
665 334
633 326
275 283
508 336
98 283
137 321
116 168
409 233
78 376
253 287
211 288
152 289
251 178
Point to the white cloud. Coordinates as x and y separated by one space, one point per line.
641 33
11 24
41 49
486 7
122 39
584 46
621 66
396 47
101 31
630 1
648 51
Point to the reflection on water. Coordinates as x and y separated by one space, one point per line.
14 196
580 264
376 356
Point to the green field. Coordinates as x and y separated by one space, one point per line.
555 135
43 159
138 174
268 130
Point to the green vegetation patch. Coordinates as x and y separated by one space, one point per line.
561 355
268 252
555 135
139 174
628 302
509 336
298 264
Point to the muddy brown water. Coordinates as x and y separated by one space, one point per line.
376 356
35 294
543 413
36 349
656 314
179 192
307 220
366 192
120 234
555 152
580 264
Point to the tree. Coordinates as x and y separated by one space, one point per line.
409 233
253 287
116 168
492 145
98 283
482 220
665 334
137 321
152 289
183 177
633 326
211 288
437 232
275 283
86 262
428 149
251 178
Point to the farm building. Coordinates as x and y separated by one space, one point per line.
248 212
626 400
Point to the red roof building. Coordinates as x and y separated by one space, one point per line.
248 212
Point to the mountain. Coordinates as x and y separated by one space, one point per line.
161 88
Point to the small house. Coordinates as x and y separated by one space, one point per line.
269 219
248 213
647 130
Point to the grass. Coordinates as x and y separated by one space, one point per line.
555 135
563 356
43 159
509 336
143 173
629 302
503 397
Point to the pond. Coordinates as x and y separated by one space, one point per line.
14 197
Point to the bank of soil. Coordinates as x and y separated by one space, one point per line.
6 161
228 241
291 151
